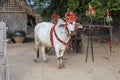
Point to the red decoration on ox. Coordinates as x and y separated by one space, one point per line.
54 15
70 16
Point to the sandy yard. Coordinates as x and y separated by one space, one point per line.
104 67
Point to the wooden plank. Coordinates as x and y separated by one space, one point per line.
12 11
98 26
4 67
2 36
4 72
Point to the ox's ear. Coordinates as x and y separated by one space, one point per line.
78 25
64 19
61 25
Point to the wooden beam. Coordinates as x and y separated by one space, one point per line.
12 12
98 26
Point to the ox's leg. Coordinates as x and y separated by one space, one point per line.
59 54
37 56
37 43
61 57
43 53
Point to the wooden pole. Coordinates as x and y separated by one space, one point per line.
92 47
108 20
87 47
110 43
90 39
90 12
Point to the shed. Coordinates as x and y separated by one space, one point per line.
18 15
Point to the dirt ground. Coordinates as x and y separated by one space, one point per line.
105 66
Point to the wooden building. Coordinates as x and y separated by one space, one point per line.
17 14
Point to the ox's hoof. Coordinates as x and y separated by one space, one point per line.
60 66
45 61
36 59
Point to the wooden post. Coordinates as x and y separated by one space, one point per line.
90 40
110 43
4 68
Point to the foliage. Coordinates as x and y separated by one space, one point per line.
100 7
61 6
108 20
79 6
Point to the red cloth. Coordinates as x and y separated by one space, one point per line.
51 35
70 17
75 17
91 9
68 14
107 13
54 15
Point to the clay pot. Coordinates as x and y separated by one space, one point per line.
19 36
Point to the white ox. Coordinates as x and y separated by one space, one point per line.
42 38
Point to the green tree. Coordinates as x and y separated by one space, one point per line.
79 6
60 6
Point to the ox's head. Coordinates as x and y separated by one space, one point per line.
70 28
73 27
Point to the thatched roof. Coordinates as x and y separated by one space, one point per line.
29 10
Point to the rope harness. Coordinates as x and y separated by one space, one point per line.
53 31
